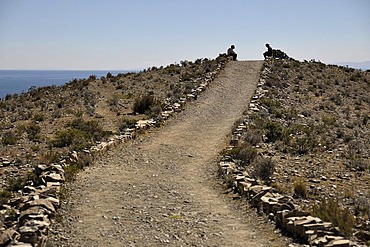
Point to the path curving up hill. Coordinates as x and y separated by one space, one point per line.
161 190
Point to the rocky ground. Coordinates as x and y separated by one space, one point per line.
312 121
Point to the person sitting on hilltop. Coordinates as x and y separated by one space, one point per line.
268 53
231 52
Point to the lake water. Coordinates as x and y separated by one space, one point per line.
18 81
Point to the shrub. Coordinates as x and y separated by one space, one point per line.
33 132
263 168
50 157
274 131
362 207
15 184
253 137
330 210
73 138
303 145
143 104
5 195
9 138
89 128
246 154
126 123
359 164
80 135
39 117
300 189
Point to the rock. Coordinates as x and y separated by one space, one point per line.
21 244
42 225
33 213
339 243
40 203
300 222
49 191
7 236
363 235
53 177
29 234
53 184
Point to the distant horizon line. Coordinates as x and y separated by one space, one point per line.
139 69
76 69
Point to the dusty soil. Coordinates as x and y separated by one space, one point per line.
162 188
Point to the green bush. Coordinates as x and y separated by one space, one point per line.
263 168
330 210
90 128
303 145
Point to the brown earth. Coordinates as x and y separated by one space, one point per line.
161 189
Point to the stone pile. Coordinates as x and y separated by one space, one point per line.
281 209
28 215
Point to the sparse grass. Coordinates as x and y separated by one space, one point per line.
15 184
300 189
330 210
80 135
126 123
71 170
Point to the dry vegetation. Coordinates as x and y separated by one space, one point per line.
313 122
46 123
313 126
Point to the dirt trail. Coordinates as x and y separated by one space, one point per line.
161 190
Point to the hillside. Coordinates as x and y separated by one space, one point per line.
312 121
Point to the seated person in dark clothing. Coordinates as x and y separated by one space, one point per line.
231 52
268 53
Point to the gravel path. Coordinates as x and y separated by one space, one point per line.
162 190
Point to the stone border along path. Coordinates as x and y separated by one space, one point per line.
161 189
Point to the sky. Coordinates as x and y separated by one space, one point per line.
137 34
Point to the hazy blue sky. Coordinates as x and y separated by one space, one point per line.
128 34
